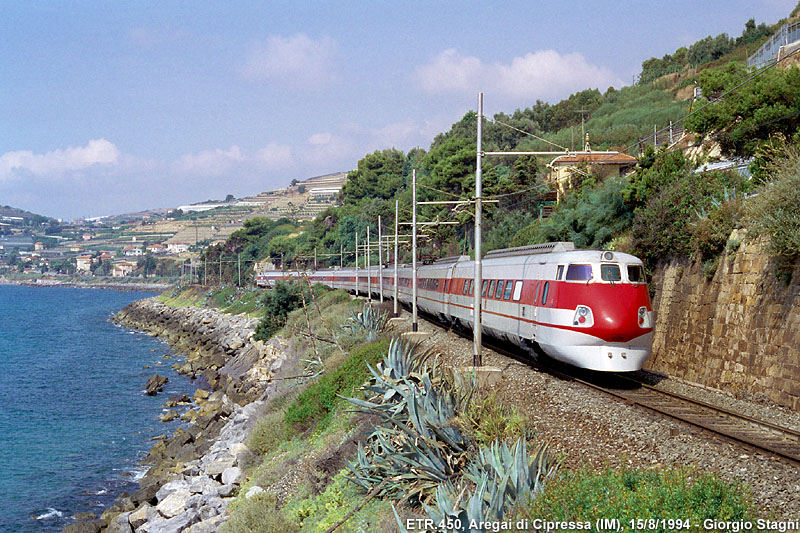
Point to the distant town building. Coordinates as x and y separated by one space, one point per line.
38 246
83 263
132 251
177 247
123 269
87 236
156 248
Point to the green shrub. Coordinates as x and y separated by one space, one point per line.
586 495
268 433
590 219
283 298
663 227
775 211
488 419
711 230
259 513
314 406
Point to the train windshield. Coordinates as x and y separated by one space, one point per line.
610 272
579 272
636 274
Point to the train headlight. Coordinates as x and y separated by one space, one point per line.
583 317
645 318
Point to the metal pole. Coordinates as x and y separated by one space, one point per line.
341 256
380 260
396 225
356 262
239 267
205 271
220 268
414 326
477 359
369 269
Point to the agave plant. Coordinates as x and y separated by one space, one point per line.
369 322
502 477
416 451
415 446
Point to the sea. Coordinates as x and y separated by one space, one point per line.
74 420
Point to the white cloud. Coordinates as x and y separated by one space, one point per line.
275 156
545 75
58 162
295 60
209 162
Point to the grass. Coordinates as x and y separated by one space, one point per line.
315 405
588 495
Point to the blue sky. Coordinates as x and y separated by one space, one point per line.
112 107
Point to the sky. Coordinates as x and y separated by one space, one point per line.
115 107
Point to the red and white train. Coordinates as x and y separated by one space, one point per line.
587 308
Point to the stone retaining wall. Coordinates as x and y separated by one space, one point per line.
739 332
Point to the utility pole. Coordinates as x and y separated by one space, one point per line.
341 256
396 224
380 260
414 325
239 267
205 270
477 359
369 269
356 262
315 259
220 268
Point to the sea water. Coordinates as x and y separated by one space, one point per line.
73 417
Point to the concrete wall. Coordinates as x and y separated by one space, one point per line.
739 332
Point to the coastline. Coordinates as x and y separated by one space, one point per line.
104 285
193 474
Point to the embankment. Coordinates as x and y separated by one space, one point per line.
738 332
194 474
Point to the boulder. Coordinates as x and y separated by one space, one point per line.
226 491
85 526
180 522
119 524
254 491
203 485
139 516
209 525
232 476
174 504
169 416
155 384
172 486
178 399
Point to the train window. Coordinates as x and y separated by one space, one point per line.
610 272
491 289
544 292
517 290
483 288
579 272
636 274
499 292
466 284
560 271
470 286
507 291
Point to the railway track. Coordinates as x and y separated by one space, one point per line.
760 434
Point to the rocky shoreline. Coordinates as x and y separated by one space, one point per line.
194 474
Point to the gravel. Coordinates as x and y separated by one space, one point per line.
592 429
